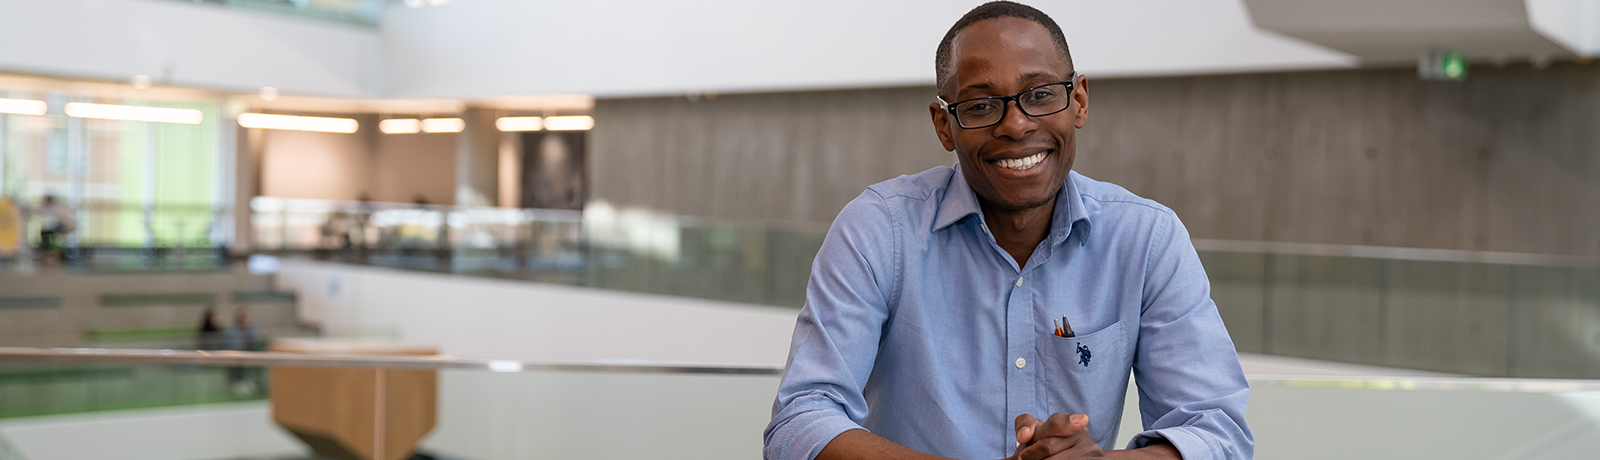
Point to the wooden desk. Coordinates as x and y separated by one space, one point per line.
355 414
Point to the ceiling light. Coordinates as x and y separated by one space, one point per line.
23 107
268 93
443 125
140 81
298 123
400 126
133 113
519 123
569 123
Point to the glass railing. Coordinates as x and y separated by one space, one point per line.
598 247
112 236
180 405
359 12
1463 312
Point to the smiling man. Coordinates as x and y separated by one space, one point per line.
997 309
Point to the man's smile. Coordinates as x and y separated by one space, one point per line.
1020 164
1024 163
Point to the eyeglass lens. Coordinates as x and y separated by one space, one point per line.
1036 102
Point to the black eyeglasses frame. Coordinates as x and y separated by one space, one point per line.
950 107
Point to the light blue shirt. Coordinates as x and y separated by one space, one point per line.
919 328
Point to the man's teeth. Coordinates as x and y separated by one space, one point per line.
1022 164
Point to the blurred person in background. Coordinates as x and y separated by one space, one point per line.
241 337
211 335
55 223
950 311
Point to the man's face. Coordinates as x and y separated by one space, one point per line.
1003 57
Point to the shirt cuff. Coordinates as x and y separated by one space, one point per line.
805 434
1189 444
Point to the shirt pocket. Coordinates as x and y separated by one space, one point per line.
1086 374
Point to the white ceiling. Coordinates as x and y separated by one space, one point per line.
500 49
1388 31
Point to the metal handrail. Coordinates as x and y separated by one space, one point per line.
446 362
1395 253
1427 383
432 362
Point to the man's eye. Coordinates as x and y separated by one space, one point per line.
984 106
1041 94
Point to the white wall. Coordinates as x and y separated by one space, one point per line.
616 48
184 44
488 318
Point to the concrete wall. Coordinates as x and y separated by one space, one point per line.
1502 162
789 157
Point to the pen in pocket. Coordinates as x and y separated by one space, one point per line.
1066 328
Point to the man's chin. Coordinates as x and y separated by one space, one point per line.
1020 203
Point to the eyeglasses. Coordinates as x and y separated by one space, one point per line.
1038 101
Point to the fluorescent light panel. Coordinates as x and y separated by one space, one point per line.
23 107
133 113
400 126
443 125
519 123
298 123
569 123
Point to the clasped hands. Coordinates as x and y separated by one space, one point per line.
1060 437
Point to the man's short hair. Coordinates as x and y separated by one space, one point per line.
993 10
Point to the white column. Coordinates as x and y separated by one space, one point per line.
478 160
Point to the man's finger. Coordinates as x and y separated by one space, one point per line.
1060 424
1027 425
1075 446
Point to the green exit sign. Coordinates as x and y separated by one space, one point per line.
1448 65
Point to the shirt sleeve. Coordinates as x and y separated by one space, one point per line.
836 337
1192 391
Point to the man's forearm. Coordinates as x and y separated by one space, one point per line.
863 445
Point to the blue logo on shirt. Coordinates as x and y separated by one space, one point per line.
1083 355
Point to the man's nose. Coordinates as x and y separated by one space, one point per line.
1015 124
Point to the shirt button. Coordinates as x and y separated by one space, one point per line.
1021 362
1019 282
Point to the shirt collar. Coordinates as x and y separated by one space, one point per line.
960 201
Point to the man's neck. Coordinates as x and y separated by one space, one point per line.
1018 232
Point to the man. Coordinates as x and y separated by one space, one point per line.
931 321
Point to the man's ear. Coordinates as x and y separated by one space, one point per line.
941 126
1080 94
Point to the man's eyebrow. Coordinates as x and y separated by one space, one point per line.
1034 76
983 85
1024 79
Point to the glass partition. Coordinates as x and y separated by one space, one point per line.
130 193
1462 312
358 12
